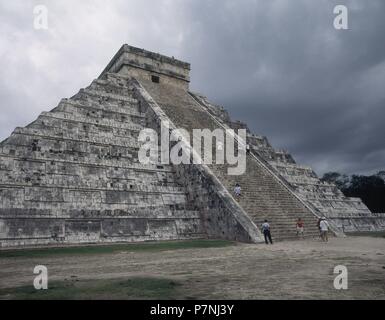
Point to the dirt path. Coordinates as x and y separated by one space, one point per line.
287 270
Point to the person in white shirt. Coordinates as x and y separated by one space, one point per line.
324 227
237 191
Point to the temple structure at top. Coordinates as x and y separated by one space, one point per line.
142 64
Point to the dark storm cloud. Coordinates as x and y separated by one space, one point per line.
281 67
278 65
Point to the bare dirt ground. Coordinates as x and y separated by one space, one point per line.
286 270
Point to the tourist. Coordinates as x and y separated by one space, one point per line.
266 232
324 227
300 227
237 191
319 227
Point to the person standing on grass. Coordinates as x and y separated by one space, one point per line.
324 227
300 227
266 232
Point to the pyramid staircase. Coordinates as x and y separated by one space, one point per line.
263 195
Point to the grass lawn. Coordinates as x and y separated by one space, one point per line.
114 248
376 234
132 288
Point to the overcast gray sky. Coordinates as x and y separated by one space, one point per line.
278 65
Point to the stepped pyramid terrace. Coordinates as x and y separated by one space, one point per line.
73 175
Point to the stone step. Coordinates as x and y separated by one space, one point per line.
104 96
105 163
65 136
93 108
65 119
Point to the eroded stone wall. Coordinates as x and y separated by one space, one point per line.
73 176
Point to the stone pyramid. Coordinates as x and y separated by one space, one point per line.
73 175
